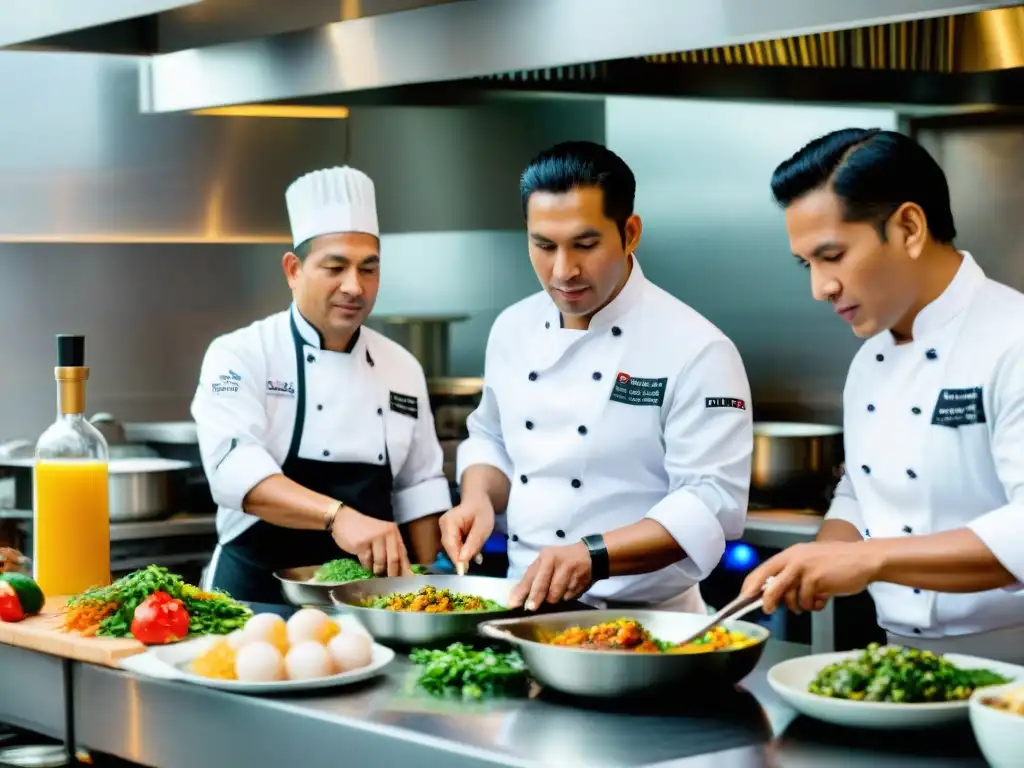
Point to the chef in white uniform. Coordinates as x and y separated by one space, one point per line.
614 429
930 514
316 433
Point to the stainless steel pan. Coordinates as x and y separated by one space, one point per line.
607 674
405 628
795 464
299 588
139 488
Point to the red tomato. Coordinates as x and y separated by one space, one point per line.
10 606
160 619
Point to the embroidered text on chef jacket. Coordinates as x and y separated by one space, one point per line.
368 405
934 441
643 415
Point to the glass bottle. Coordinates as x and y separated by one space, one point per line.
71 531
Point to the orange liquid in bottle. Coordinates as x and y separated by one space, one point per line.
71 536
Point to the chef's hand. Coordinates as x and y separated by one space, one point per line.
805 576
558 573
12 561
376 543
465 529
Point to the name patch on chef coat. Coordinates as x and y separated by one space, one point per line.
725 402
959 408
227 383
633 390
280 389
405 405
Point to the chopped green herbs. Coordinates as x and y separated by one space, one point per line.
460 670
892 673
345 569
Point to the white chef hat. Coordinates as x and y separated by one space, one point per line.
330 201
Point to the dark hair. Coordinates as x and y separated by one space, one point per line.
574 164
302 249
873 172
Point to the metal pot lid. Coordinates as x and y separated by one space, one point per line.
38 756
795 429
143 464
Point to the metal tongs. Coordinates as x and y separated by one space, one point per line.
741 606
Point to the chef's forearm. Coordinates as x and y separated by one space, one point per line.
838 530
283 502
484 482
423 539
951 561
641 547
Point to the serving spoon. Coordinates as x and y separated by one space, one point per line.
741 606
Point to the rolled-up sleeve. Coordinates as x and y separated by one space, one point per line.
421 487
485 444
709 443
844 504
1000 529
231 422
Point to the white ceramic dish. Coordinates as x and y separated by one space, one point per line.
176 659
1000 735
789 679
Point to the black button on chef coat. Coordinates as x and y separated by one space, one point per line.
560 534
522 478
616 331
931 354
916 411
911 474
866 469
596 375
907 529
529 425
310 359
576 483
871 407
533 376
581 429
515 537
879 357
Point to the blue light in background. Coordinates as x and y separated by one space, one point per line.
740 557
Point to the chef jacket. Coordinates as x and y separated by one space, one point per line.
934 441
644 415
368 404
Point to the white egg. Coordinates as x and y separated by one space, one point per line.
267 628
350 650
308 660
237 639
309 624
259 662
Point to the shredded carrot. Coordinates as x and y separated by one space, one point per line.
85 616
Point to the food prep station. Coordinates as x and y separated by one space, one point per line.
174 724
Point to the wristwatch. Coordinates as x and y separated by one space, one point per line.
599 565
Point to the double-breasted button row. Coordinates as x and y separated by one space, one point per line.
515 537
575 482
596 376
930 354
915 410
867 471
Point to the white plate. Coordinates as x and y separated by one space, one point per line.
789 679
178 657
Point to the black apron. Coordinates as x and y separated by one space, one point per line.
246 565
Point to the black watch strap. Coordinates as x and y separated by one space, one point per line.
599 566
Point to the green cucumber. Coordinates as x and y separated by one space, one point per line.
29 594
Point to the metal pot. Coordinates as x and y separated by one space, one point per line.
795 465
139 488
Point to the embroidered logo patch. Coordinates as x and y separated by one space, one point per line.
227 383
633 390
959 408
280 389
725 402
405 405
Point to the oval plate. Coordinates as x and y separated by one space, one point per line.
789 679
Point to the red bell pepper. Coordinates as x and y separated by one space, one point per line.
160 619
10 605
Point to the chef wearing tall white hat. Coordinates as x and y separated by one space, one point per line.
316 433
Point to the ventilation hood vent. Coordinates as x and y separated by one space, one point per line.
462 41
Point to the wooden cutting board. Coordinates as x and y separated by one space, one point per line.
43 633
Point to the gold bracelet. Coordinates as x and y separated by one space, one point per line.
332 513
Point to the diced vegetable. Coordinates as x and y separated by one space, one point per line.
461 670
893 673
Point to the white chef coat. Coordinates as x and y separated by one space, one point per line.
358 407
934 441
644 415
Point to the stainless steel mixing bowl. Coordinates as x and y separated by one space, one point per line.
409 628
299 589
605 674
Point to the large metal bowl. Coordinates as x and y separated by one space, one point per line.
604 674
299 589
407 628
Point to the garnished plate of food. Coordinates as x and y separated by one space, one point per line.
887 687
310 650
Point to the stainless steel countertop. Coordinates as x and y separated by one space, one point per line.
32 691
177 725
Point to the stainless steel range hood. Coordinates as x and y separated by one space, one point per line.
457 41
22 21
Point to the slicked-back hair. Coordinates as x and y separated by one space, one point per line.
576 164
873 172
